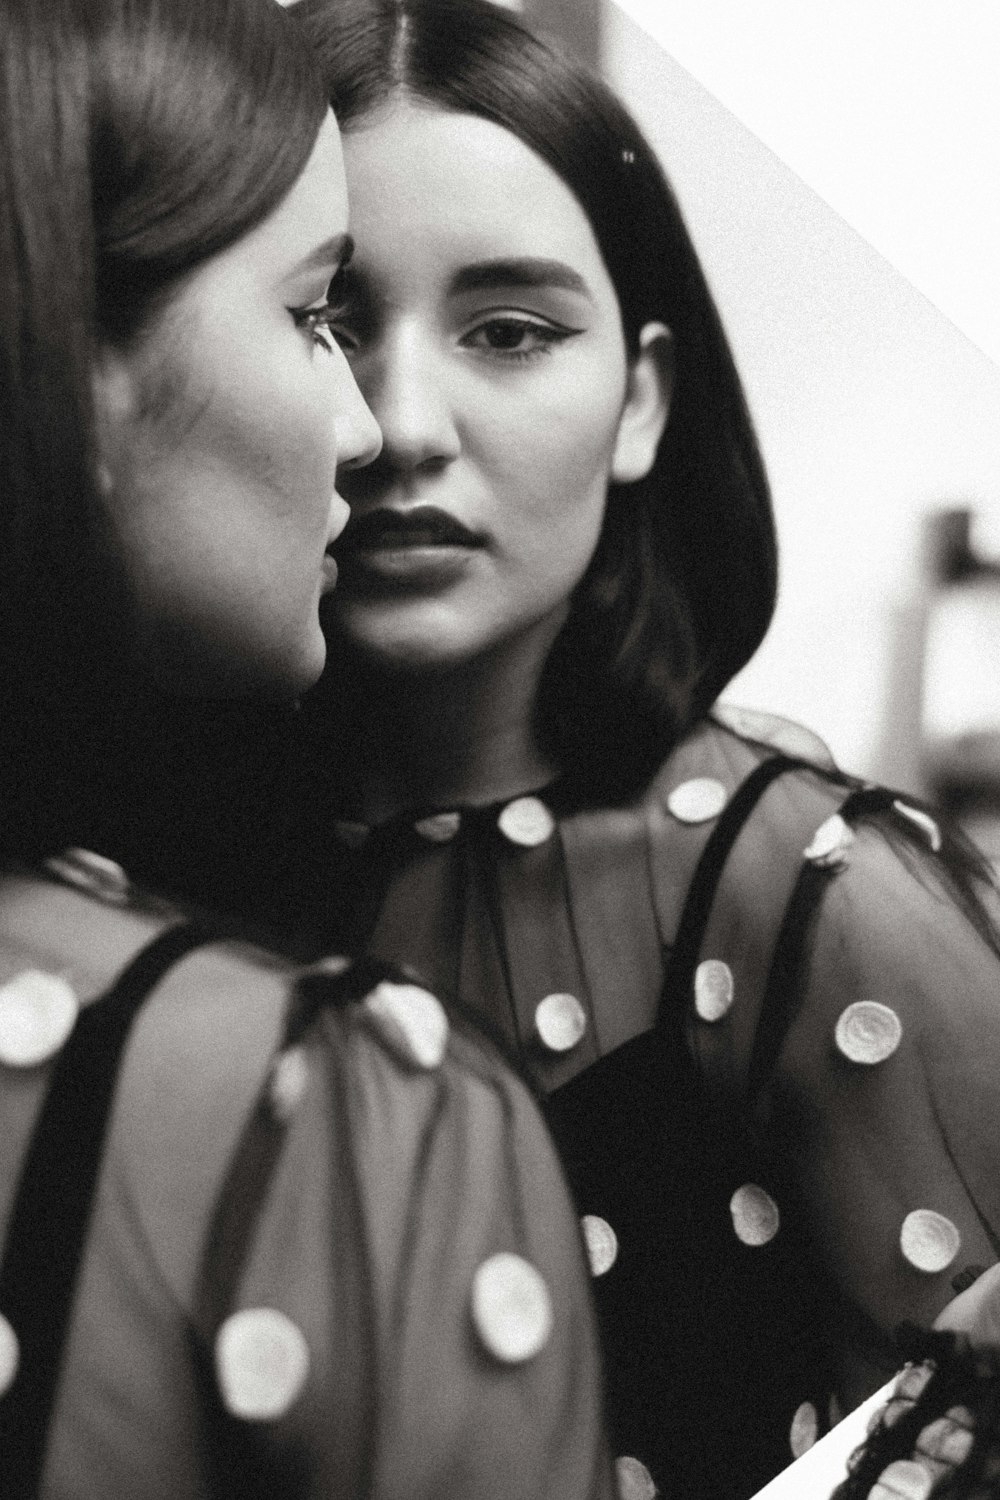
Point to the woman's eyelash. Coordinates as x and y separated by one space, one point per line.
544 337
319 322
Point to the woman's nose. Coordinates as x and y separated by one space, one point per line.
403 380
359 438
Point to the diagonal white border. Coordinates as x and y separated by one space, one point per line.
887 109
818 1472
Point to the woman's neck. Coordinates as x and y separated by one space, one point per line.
453 736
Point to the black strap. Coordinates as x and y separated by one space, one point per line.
784 992
239 1466
52 1208
701 892
237 1209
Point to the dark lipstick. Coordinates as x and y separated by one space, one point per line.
387 529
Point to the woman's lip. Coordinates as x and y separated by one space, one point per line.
385 570
343 515
329 570
389 530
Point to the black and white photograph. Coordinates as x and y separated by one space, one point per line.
500 750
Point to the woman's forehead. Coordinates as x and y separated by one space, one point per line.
462 187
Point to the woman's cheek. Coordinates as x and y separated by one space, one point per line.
572 422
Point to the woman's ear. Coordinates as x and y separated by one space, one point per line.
647 405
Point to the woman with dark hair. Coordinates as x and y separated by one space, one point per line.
677 596
760 996
262 1232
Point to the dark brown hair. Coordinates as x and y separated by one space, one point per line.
137 138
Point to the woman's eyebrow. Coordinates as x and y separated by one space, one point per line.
519 271
336 251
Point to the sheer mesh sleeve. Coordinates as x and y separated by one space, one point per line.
885 1095
335 1263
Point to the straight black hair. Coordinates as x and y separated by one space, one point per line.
682 585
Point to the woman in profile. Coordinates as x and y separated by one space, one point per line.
263 1232
759 995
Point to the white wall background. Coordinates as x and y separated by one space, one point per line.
889 109
872 406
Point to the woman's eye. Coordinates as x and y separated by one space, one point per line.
517 338
324 324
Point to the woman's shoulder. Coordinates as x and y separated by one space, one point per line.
158 1035
641 878
758 798
727 746
741 783
771 867
124 1020
753 799
746 832
317 1156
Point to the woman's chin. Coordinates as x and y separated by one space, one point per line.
400 639
408 656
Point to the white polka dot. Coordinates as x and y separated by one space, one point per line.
352 835
929 1241
439 828
410 1021
756 1219
261 1363
804 1429
288 1081
37 1013
867 1032
601 1242
698 800
946 1440
635 1482
560 1021
526 821
511 1308
93 873
903 1480
10 1355
830 843
714 989
922 820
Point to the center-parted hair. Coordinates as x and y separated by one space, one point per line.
682 586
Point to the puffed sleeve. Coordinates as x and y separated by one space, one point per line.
886 1094
336 1262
